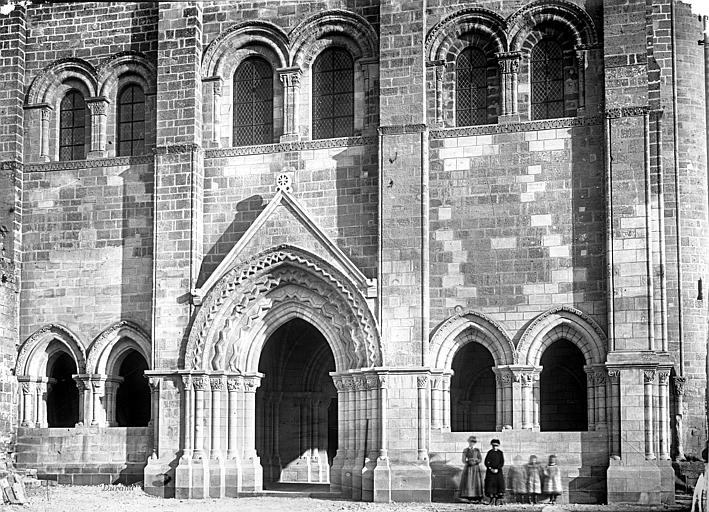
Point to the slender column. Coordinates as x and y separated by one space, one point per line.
679 383
232 449
85 402
45 116
28 394
370 75
359 429
217 384
189 416
46 387
446 402
201 384
509 70
600 381
336 469
508 419
315 429
648 380
436 404
526 380
276 421
251 383
591 397
614 409
422 385
98 108
439 68
581 59
214 122
155 383
290 78
374 427
499 401
97 391
536 399
664 378
383 408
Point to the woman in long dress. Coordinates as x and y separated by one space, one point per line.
471 481
494 481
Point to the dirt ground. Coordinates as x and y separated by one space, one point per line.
127 499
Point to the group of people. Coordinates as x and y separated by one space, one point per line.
527 482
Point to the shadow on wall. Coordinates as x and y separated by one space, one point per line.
136 241
582 456
587 283
246 212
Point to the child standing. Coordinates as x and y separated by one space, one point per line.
533 473
494 481
517 480
552 480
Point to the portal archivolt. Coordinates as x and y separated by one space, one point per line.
255 298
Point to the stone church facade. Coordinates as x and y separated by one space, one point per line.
324 242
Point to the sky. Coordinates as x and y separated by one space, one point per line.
700 6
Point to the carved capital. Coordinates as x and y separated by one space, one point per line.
508 62
372 382
217 383
45 112
422 381
664 377
360 383
591 377
201 383
649 376
251 383
28 388
97 106
614 375
600 377
234 384
154 383
679 383
187 382
290 77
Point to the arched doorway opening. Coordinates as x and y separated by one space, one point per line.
562 388
296 406
473 392
62 394
133 393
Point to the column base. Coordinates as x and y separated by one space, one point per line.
368 480
346 479
159 478
356 480
216 478
251 475
651 483
382 481
319 470
408 482
336 474
232 478
183 479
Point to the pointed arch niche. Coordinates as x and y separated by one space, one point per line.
468 350
47 364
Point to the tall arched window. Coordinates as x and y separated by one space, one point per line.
333 94
547 80
73 126
131 121
471 88
253 103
